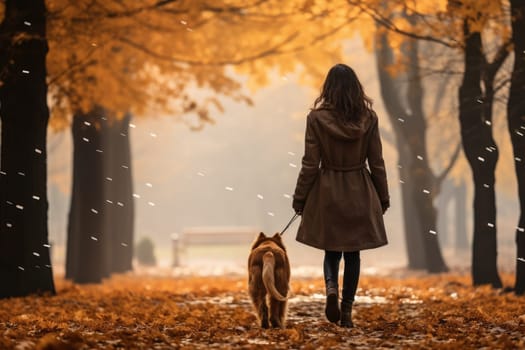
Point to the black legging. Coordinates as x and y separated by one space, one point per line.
351 272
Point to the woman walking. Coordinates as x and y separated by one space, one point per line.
341 201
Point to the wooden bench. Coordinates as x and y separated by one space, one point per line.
213 236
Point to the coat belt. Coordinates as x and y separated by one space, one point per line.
344 168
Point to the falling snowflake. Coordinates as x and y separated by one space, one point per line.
85 139
481 159
291 153
132 125
488 122
271 214
8 224
108 201
286 195
401 120
490 224
433 232
521 259
419 157
136 195
486 186
152 134
401 181
148 184
21 268
200 174
37 150
27 23
183 22
125 166
228 188
260 196
519 133
109 178
37 198
25 71
47 245
120 204
426 191
151 204
99 151
94 211
87 123
36 254
517 159
21 173
479 100
292 165
94 238
123 244
19 207
520 229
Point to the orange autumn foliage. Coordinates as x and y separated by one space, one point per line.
438 312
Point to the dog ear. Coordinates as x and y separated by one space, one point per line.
277 238
261 237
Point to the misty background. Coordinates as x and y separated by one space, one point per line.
240 173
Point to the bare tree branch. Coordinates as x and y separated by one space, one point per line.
499 59
275 50
390 25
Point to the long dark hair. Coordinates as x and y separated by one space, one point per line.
343 93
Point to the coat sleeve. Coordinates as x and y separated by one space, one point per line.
377 165
310 165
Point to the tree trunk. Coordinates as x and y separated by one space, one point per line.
25 265
426 188
516 124
119 190
445 196
100 228
482 155
461 214
86 260
418 187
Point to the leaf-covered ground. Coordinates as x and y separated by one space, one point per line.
137 312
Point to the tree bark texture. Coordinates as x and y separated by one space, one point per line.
482 155
418 182
516 125
25 265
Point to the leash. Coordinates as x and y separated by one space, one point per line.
294 217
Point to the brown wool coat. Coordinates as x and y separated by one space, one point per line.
341 197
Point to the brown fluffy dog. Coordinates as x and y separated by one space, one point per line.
269 279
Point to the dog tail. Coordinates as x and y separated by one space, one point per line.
268 276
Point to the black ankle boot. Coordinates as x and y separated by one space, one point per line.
346 315
332 303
